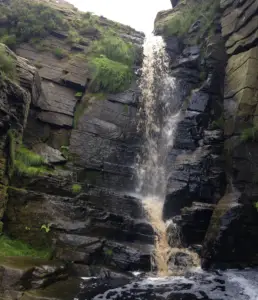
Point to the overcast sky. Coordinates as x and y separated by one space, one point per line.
139 14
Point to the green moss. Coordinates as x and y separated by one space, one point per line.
7 64
256 205
29 163
76 188
249 134
10 247
60 53
180 21
22 169
110 76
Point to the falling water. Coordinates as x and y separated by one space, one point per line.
159 115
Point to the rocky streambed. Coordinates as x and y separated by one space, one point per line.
28 279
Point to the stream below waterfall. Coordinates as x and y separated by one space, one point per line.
195 284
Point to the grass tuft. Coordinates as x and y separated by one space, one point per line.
60 53
10 247
110 76
28 157
29 163
76 188
114 48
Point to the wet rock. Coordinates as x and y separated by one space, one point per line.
231 237
193 223
199 101
21 273
65 290
83 226
173 46
181 259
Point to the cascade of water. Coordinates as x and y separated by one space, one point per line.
159 115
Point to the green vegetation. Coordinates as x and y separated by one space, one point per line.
180 21
46 227
76 188
249 134
60 53
65 151
28 157
78 94
114 48
7 64
256 205
110 76
9 40
73 37
28 19
110 57
9 247
109 252
29 163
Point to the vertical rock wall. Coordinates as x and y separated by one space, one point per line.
232 238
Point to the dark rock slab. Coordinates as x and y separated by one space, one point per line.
56 98
192 224
54 118
199 101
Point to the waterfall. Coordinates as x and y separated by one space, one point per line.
159 115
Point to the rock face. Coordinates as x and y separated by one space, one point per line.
197 176
88 141
232 236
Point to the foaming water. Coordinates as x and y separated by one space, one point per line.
163 252
159 115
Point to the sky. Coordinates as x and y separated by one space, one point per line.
139 14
